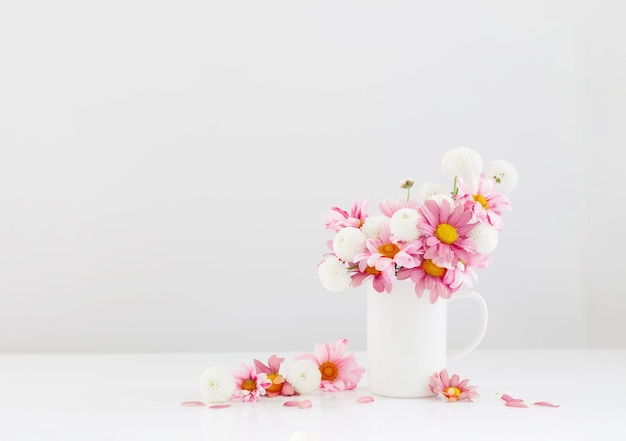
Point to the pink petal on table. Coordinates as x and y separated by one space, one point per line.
287 389
507 398
306 404
192 403
365 399
219 406
545 403
294 403
515 403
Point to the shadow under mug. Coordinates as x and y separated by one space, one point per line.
407 339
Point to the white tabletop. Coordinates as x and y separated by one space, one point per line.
138 397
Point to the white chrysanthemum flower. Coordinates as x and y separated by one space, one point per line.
503 173
440 197
304 376
403 224
217 385
302 436
461 161
428 189
334 275
485 237
371 226
349 242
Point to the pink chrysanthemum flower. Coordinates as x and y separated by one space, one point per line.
451 388
383 252
446 228
278 386
390 206
338 218
439 281
249 384
339 370
381 280
478 194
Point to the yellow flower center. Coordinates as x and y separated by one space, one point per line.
446 233
433 270
452 393
248 384
388 250
329 371
277 382
481 199
372 270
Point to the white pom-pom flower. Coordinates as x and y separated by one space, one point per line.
371 226
334 275
349 242
504 174
304 376
403 224
428 189
217 385
485 236
461 161
441 197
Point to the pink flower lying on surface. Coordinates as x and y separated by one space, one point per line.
249 385
451 388
279 386
339 371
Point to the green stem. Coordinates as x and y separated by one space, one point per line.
455 190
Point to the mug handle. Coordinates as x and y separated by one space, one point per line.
458 353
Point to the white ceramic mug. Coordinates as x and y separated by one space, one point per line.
407 339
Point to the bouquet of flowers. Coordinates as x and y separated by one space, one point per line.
436 240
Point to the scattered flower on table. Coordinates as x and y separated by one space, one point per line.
437 241
217 384
339 371
452 388
249 385
279 386
304 376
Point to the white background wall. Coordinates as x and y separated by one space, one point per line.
164 164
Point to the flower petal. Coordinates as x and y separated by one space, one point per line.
445 379
192 403
545 403
287 390
293 403
515 403
219 406
306 404
365 399
507 397
274 363
261 368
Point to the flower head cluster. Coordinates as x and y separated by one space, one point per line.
437 241
329 369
